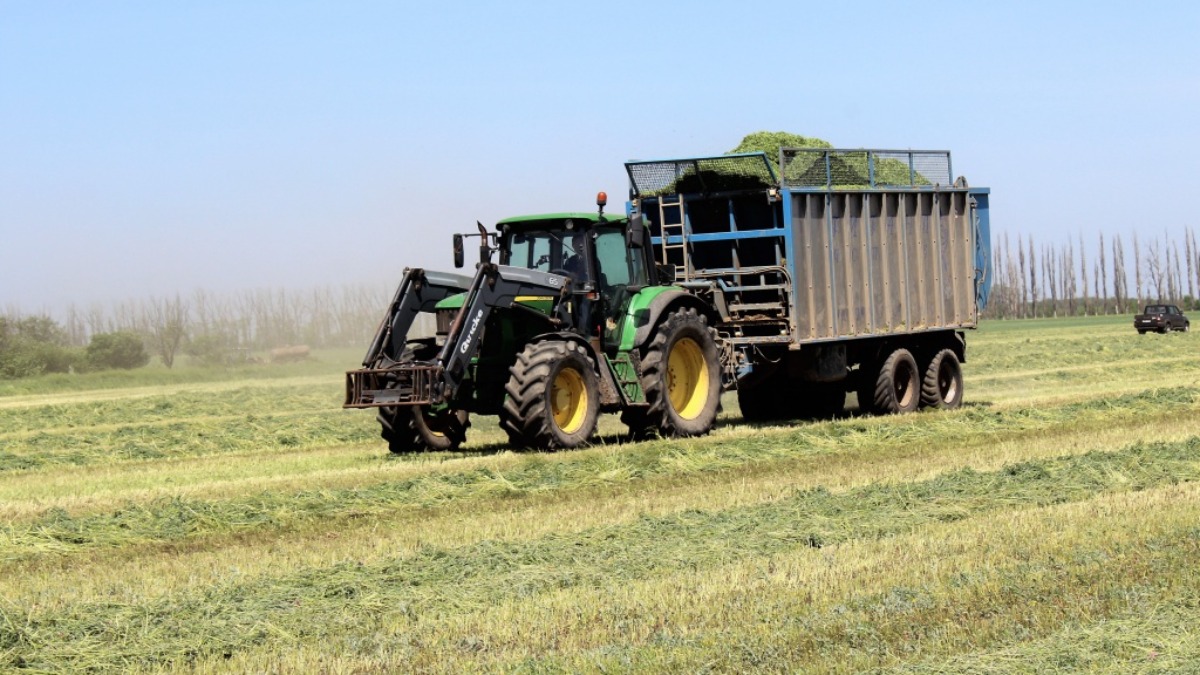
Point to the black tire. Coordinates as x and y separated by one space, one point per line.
942 386
681 376
897 387
553 396
766 401
639 425
821 400
414 428
1141 332
864 387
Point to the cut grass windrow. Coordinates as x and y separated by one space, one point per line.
175 518
1158 637
939 591
316 604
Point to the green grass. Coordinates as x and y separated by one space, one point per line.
240 520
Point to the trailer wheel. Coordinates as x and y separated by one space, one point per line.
897 388
553 396
681 376
821 400
764 403
942 386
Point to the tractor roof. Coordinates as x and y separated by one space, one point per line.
543 220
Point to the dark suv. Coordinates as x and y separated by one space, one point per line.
1161 318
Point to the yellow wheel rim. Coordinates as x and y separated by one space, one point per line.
568 400
687 378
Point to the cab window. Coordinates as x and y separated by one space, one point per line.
619 266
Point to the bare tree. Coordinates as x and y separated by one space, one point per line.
1051 285
167 321
1188 249
1033 285
1120 277
1156 269
1022 293
1068 276
1083 277
1176 273
1102 288
1137 267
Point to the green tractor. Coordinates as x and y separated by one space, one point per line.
574 320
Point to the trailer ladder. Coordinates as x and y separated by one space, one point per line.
674 235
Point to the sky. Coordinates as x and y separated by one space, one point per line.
153 148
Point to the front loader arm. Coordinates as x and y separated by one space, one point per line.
494 286
385 380
418 292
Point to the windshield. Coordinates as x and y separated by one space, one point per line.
562 251
538 250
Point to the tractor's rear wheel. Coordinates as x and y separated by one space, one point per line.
681 376
553 396
942 386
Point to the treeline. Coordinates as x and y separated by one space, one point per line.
208 327
1033 280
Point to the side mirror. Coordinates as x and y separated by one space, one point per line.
458 250
635 235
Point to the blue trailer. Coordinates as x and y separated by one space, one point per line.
828 271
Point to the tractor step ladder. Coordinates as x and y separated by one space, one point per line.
674 230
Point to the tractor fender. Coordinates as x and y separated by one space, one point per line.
562 336
610 394
648 318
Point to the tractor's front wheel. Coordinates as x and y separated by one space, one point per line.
681 376
553 396
414 428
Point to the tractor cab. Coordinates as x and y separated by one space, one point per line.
603 257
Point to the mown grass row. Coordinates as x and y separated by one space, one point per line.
324 603
1006 530
322 363
1100 358
944 590
174 518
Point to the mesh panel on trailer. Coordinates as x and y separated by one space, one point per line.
850 169
701 175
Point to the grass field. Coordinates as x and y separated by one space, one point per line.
239 520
